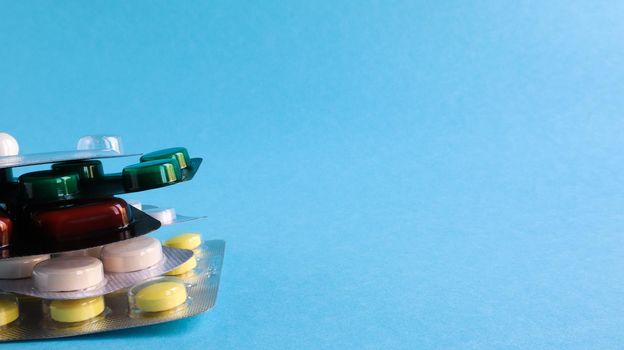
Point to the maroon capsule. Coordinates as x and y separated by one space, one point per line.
82 220
6 228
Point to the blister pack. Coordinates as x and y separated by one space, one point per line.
75 259
180 294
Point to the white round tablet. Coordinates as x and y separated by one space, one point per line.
131 255
68 273
8 145
135 203
22 267
166 216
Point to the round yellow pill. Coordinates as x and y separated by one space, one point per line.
161 296
184 268
76 310
184 241
9 311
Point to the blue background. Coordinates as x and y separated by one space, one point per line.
387 174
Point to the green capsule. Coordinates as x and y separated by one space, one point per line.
152 174
178 153
86 169
49 185
6 175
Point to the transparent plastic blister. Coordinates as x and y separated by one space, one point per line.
156 300
89 147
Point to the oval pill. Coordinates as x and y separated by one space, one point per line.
131 255
161 296
22 267
68 273
152 174
86 169
77 310
49 185
185 241
178 153
187 266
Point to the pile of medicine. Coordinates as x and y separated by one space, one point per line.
75 259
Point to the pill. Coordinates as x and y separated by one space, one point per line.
6 175
184 241
161 296
178 153
6 229
22 267
166 216
95 251
131 255
152 174
187 266
100 143
86 169
49 185
135 204
8 145
68 274
77 310
9 310
81 220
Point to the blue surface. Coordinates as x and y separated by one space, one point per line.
386 174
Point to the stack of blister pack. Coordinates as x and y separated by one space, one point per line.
75 259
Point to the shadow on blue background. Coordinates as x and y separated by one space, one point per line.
399 174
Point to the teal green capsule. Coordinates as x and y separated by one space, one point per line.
49 185
151 174
178 153
86 169
6 175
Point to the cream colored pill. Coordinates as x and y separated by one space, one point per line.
132 254
68 273
22 267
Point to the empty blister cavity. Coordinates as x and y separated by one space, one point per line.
131 255
22 267
168 216
157 295
100 143
68 273
9 309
